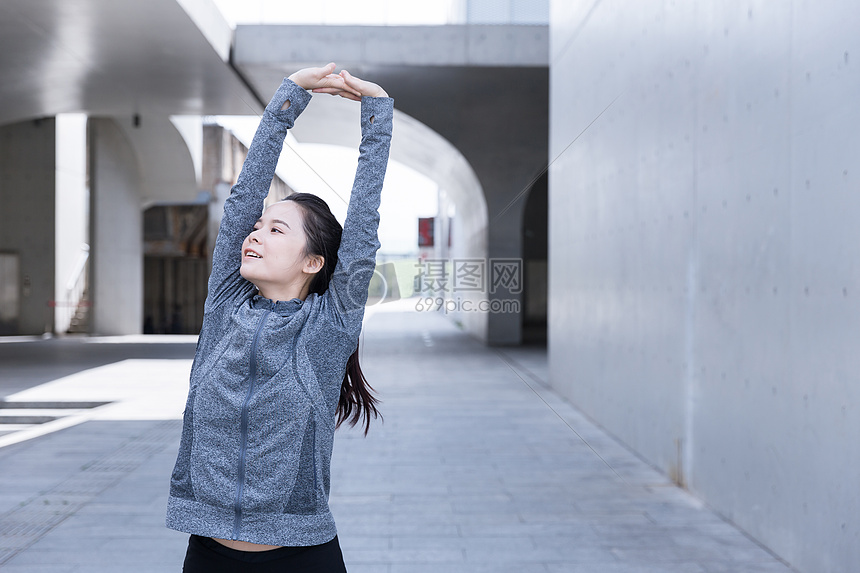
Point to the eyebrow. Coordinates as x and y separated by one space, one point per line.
281 221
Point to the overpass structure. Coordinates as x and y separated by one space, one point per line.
472 114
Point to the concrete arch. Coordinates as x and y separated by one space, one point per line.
334 121
169 170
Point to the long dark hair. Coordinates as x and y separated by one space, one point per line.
323 232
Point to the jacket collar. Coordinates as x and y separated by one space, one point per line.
281 307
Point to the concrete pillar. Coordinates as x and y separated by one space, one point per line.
505 278
116 234
535 268
27 183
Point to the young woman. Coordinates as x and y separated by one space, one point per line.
276 368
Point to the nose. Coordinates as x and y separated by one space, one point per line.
253 237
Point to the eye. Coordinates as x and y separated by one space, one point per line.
276 230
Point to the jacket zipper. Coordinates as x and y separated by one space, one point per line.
243 429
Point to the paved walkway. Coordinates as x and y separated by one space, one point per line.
478 467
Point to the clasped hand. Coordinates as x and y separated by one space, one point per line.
324 81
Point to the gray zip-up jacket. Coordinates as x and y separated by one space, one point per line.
259 422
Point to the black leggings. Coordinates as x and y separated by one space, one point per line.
205 555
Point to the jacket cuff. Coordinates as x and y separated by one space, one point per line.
289 91
377 114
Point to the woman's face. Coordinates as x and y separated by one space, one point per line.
273 254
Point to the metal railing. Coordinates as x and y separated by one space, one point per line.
76 288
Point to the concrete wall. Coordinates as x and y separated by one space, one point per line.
27 182
704 258
116 242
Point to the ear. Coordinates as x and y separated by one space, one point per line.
313 264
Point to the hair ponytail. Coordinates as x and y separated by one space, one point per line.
356 396
323 232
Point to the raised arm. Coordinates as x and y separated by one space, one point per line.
359 243
245 203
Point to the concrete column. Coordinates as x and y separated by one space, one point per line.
505 277
535 268
116 234
27 183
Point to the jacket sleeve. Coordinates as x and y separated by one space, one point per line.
245 203
356 257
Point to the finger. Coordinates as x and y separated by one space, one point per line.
336 88
338 91
360 86
343 85
351 81
329 90
327 69
319 73
342 93
330 81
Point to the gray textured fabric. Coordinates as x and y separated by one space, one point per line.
274 367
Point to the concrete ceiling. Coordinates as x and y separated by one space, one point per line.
117 57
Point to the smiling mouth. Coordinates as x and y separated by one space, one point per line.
252 255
